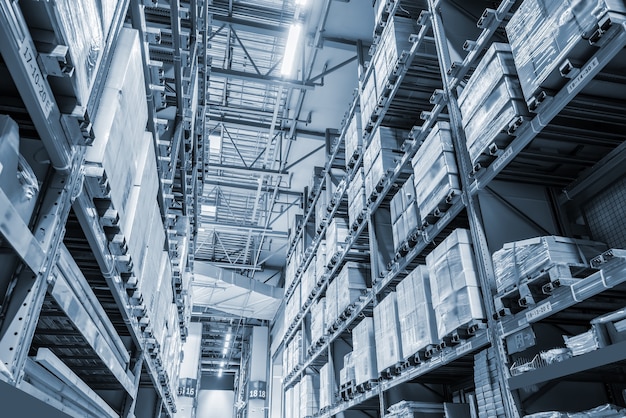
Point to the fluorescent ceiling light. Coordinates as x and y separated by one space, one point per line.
219 373
225 350
301 2
293 39
228 337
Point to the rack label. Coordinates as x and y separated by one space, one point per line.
503 159
40 87
540 310
464 348
584 73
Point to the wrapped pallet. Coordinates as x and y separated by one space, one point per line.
307 282
318 324
356 196
410 409
353 136
404 215
309 395
520 260
321 211
320 261
436 175
454 283
382 154
387 331
492 102
292 307
346 374
544 34
351 283
327 386
364 349
330 313
336 234
418 327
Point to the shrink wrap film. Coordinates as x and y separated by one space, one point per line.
387 331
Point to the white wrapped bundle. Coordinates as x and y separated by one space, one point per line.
387 331
364 349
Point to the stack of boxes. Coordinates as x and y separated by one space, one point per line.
488 394
344 290
364 349
382 154
353 136
492 103
409 409
544 34
356 196
292 306
309 395
318 324
454 283
293 354
435 172
520 260
418 327
404 215
336 234
327 386
321 208
387 332
307 282
320 261
330 313
346 374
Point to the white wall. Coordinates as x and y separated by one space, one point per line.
215 404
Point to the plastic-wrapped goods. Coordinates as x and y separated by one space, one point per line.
520 260
321 212
383 138
85 31
309 395
292 307
454 283
368 97
121 121
435 170
16 178
320 261
318 323
356 196
346 374
582 343
386 160
289 402
393 41
364 349
606 410
387 331
353 136
150 267
351 282
404 210
544 33
409 409
307 282
336 234
330 314
418 327
327 386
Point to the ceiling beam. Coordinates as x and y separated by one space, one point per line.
231 122
252 26
223 227
246 170
263 79
215 181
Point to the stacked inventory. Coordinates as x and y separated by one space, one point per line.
353 137
393 42
454 284
327 386
320 261
549 39
351 284
409 409
346 374
318 323
309 395
293 354
488 395
381 155
356 197
321 208
330 312
524 260
336 234
404 215
418 327
436 175
292 306
364 350
387 327
492 104
307 282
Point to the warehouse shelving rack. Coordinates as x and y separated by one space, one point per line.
602 288
72 327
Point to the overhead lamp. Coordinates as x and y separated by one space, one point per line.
229 336
301 2
219 372
225 350
293 39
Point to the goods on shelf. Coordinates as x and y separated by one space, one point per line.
316 179
610 328
294 352
436 175
492 103
488 394
582 343
409 409
336 234
353 137
17 180
318 324
550 39
454 284
321 212
382 154
387 331
351 283
525 260
84 32
356 197
309 395
292 401
418 328
290 270
364 349
320 261
404 216
327 386
346 373
330 313
307 282
292 307
606 410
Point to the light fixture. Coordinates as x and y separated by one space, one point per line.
219 372
293 39
229 336
301 2
225 350
222 364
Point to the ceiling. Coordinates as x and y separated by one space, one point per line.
266 133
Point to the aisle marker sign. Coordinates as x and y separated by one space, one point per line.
540 310
257 389
28 55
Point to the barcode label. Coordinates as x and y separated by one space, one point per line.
42 92
464 348
539 311
503 159
584 73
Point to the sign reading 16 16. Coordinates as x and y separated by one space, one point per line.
257 390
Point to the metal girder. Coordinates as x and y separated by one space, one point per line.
263 79
224 227
229 184
236 266
232 122
247 170
251 26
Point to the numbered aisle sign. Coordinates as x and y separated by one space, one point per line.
187 387
256 390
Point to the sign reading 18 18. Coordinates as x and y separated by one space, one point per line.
257 390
